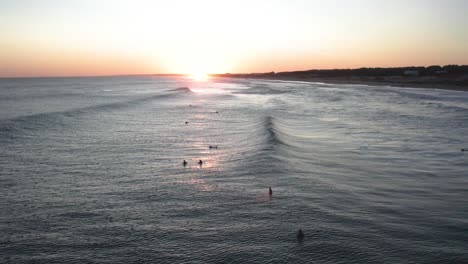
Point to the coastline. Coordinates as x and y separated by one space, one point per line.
418 82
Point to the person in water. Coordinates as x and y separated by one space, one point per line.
270 191
184 163
300 235
200 162
186 122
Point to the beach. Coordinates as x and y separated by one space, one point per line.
433 79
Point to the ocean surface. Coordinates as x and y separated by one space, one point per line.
91 172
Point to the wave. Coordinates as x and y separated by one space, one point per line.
270 146
260 89
270 138
289 141
23 125
275 136
181 90
264 139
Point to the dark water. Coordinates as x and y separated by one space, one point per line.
91 172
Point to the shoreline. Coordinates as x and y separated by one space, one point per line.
400 82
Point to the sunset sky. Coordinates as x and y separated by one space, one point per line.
99 37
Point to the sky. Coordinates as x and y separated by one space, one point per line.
112 37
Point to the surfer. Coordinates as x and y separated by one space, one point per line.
200 162
270 191
462 150
184 163
300 235
186 122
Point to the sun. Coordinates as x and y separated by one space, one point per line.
199 76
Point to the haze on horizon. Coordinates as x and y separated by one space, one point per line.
76 38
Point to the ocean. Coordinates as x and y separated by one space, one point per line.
91 171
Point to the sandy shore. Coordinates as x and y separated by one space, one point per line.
408 82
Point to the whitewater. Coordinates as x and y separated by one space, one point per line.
91 172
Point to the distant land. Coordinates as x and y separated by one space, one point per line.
450 77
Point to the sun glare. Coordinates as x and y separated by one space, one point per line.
199 76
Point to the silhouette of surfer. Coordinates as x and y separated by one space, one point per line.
186 122
300 235
200 162
270 191
184 163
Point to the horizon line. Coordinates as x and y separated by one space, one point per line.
226 73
